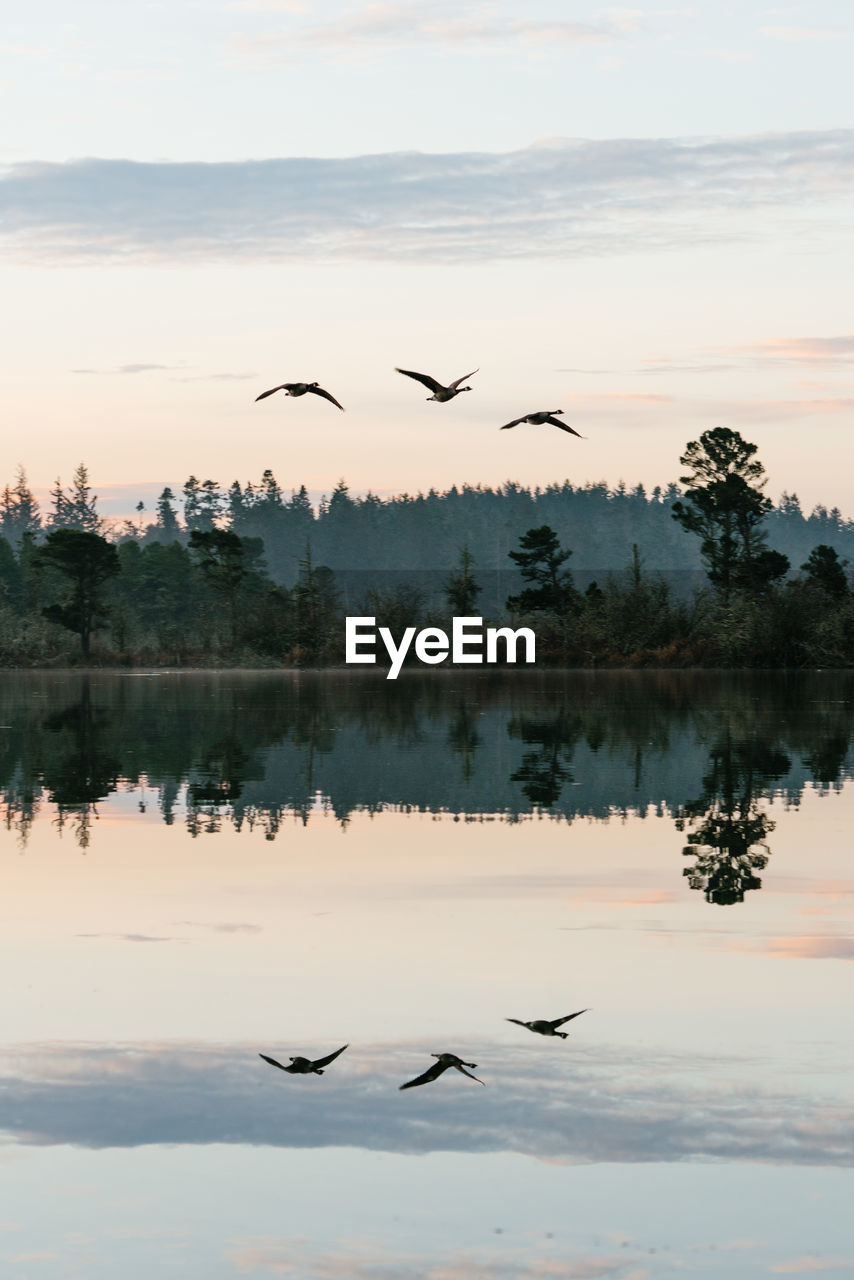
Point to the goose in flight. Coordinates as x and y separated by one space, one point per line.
299 389
443 1061
538 420
545 1028
440 393
304 1066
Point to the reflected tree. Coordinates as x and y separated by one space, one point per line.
544 771
726 828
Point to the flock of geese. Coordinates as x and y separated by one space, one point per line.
444 1061
440 393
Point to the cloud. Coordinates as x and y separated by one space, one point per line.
130 368
835 350
809 948
585 1106
427 23
811 1265
131 937
292 1257
223 927
806 35
561 198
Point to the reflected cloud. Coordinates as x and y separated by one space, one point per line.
812 1265
292 1257
808 948
131 937
578 1106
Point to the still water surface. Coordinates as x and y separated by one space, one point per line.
199 868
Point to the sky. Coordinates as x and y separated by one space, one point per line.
639 215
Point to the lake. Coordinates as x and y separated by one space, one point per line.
200 868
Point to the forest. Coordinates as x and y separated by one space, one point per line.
706 572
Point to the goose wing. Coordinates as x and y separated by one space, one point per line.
462 379
460 1067
318 391
432 1073
264 394
517 1021
558 1022
423 378
272 1062
330 1057
514 423
564 426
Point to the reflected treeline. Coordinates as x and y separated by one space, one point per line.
257 750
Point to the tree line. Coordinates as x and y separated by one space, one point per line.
202 591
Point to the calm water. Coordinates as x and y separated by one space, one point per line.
196 868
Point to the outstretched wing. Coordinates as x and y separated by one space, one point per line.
432 1073
330 1057
272 1062
318 391
517 1021
558 1022
514 423
564 426
460 1067
423 378
463 378
264 394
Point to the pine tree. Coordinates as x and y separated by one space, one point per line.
166 521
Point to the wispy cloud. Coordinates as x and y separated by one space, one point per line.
605 1105
811 1265
809 948
427 23
837 349
130 368
221 927
293 1257
555 199
131 937
806 35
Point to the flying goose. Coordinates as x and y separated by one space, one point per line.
545 1028
440 393
538 420
299 389
443 1061
303 1066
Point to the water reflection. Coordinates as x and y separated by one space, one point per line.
726 827
256 750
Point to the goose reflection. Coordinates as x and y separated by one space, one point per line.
442 1063
543 1027
305 1066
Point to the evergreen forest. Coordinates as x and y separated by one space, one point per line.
704 572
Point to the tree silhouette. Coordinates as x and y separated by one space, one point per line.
539 558
461 590
87 562
825 570
226 561
724 505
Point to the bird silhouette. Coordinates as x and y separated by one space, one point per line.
443 1061
545 1028
305 1066
538 420
299 389
440 393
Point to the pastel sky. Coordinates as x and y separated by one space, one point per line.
640 215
